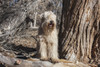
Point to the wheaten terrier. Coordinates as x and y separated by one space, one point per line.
48 37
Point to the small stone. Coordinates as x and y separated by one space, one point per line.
17 62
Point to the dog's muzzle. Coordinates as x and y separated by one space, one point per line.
51 24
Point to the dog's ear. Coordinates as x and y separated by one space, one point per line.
42 17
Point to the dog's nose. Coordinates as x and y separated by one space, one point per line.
51 22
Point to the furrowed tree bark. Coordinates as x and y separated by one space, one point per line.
80 30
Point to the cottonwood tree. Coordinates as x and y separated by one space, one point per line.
79 35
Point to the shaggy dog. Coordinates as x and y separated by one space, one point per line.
48 37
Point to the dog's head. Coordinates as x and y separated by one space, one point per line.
48 20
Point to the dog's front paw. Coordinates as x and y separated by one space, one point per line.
44 59
54 60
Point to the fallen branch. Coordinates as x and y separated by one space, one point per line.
32 62
14 62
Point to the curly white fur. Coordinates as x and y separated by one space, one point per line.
48 43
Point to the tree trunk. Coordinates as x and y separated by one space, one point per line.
80 30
